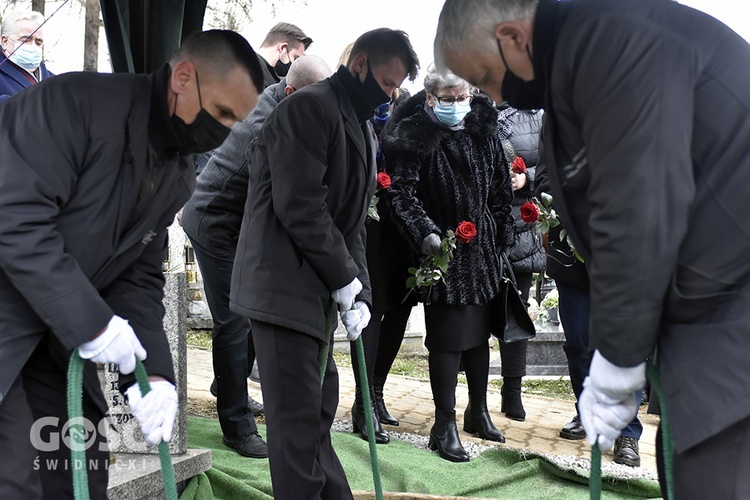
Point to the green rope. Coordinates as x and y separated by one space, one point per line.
77 450
366 401
367 404
666 434
167 471
75 412
595 478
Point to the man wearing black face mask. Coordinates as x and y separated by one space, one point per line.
301 249
283 44
646 132
212 219
86 199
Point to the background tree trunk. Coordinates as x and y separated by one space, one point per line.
91 36
37 5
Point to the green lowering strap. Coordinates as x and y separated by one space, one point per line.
75 414
367 404
595 478
666 433
366 401
77 450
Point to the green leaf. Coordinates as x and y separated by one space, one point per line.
546 199
412 270
411 282
563 234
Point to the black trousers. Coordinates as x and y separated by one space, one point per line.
717 468
381 340
232 351
35 457
299 415
575 311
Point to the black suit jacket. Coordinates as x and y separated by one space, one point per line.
311 178
74 250
646 137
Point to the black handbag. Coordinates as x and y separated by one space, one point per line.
509 316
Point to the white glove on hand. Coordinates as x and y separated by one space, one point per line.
430 246
356 320
117 344
345 296
608 402
156 411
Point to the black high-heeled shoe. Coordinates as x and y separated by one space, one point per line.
444 437
477 421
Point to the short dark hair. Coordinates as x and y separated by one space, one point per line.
286 33
218 52
382 44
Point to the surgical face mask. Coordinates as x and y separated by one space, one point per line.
281 68
204 134
373 92
27 55
517 92
452 114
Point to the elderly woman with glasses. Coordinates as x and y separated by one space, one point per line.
448 168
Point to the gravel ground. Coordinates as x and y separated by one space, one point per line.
576 464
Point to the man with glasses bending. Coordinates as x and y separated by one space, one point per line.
21 64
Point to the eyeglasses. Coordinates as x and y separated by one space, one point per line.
450 100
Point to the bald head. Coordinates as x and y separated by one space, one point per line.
306 70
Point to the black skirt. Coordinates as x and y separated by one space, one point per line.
455 328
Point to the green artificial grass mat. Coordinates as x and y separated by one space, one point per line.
497 473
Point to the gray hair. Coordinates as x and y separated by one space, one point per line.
435 80
11 20
464 23
306 70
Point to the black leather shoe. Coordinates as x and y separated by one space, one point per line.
360 427
477 421
254 373
626 451
383 415
251 445
573 430
444 437
511 404
253 406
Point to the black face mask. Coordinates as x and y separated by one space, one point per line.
374 94
204 134
519 93
281 68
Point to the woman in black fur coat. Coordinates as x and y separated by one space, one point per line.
448 167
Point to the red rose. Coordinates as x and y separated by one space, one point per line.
530 212
466 231
384 180
518 166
